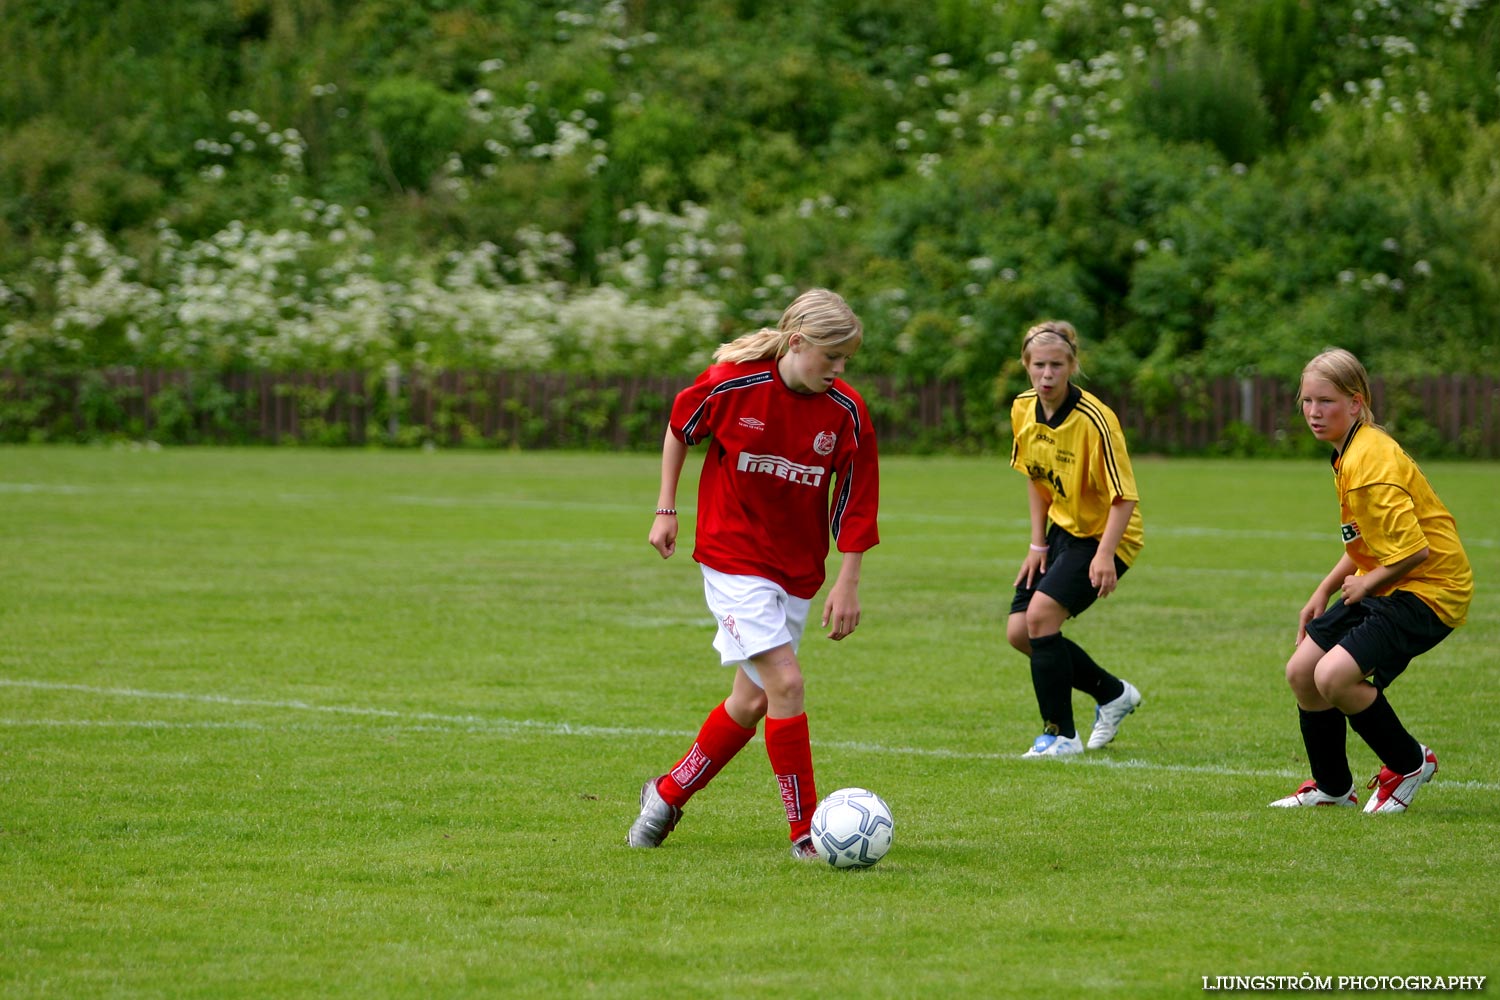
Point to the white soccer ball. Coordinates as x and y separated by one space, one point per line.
851 828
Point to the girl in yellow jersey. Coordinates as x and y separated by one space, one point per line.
1404 584
1085 533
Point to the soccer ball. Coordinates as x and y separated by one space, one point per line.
851 828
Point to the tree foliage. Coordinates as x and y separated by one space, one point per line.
606 184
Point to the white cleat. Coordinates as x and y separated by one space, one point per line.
1053 745
1309 794
657 819
1107 717
1394 792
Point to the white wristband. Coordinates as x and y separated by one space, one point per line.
1039 548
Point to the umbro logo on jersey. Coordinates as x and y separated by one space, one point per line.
775 465
1349 532
752 423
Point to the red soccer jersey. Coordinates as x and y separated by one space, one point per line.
764 506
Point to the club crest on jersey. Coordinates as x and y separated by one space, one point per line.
1349 532
753 423
781 468
824 442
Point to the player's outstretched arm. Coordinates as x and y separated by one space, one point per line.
663 537
1035 563
1103 576
841 610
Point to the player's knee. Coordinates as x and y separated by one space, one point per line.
1044 621
1016 635
747 707
1302 670
781 677
1335 677
787 687
1298 675
1328 684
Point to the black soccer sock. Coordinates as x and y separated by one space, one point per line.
1090 678
1379 727
1052 679
1324 734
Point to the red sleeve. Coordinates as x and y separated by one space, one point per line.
854 506
692 411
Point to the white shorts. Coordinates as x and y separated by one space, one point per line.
754 616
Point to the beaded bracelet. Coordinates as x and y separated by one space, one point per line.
667 510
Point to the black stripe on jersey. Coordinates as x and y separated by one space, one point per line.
1095 414
850 405
841 501
846 481
743 382
1395 486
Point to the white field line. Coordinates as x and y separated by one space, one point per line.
431 721
121 724
890 516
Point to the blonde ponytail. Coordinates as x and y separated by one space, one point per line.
822 317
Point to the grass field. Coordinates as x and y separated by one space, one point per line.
282 723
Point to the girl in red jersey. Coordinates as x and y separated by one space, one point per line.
1404 584
791 459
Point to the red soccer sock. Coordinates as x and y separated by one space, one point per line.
790 750
717 743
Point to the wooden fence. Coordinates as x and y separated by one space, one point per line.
1451 415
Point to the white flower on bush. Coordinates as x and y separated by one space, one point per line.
311 298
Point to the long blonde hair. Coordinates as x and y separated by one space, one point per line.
822 317
1342 370
1052 331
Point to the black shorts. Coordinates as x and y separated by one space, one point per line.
1382 634
1066 580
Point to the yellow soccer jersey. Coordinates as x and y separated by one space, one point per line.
1389 511
1077 458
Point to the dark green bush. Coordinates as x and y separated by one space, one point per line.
415 126
1206 93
